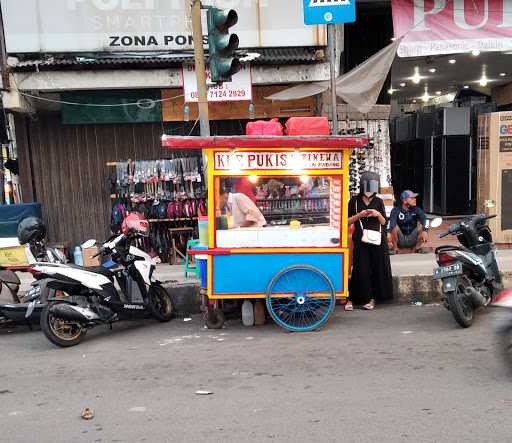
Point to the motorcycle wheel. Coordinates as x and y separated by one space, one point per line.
160 303
460 305
60 332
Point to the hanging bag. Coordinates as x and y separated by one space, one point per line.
370 236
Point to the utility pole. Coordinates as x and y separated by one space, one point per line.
202 102
331 41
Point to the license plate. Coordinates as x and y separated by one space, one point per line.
447 271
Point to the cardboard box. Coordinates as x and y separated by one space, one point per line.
87 253
13 256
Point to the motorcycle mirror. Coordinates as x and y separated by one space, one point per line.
436 222
89 244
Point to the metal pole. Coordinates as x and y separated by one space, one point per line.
202 103
331 35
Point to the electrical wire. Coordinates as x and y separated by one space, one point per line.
63 102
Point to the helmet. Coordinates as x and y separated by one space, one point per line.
370 182
135 223
31 229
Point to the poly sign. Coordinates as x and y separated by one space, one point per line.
455 26
64 26
327 12
239 89
252 161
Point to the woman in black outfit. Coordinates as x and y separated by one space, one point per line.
371 280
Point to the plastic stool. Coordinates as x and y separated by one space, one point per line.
188 267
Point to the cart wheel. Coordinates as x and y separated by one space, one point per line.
214 318
300 298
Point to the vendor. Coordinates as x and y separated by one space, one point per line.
245 213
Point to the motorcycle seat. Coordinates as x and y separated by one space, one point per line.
94 269
449 248
9 277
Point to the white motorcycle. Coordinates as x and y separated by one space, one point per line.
86 297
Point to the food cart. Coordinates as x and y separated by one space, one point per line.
299 261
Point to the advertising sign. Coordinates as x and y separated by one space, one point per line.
252 161
145 25
506 132
328 12
239 89
433 27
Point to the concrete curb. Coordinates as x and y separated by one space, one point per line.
421 288
406 289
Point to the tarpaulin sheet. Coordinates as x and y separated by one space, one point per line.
11 215
359 87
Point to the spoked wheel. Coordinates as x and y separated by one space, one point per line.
61 332
300 298
460 305
160 303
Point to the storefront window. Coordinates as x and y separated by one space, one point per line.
279 211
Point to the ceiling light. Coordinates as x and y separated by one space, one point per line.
452 61
503 74
466 87
402 85
483 80
414 101
475 52
416 78
425 97
391 90
393 39
438 92
432 70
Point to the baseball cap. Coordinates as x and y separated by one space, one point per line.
408 194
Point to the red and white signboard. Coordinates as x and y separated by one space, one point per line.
433 27
239 89
251 161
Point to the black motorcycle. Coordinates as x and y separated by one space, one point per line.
469 274
86 297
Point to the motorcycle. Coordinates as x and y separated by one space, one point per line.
87 297
28 308
469 274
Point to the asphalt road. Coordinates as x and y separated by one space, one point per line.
397 374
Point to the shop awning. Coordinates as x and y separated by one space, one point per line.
237 142
359 87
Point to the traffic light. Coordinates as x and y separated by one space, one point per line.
222 45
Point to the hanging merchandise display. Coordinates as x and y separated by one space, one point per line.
374 157
171 193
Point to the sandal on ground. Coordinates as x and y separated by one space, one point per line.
393 252
349 306
421 251
369 306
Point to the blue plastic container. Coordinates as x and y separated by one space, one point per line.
202 264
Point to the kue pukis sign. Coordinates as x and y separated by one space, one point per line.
269 160
433 27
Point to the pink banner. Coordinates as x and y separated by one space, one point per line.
433 27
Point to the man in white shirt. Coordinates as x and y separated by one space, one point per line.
245 213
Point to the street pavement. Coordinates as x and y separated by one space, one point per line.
400 373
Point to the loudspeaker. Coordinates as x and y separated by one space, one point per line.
424 124
452 121
405 128
428 178
451 175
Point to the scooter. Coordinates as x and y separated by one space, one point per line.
469 274
87 297
28 307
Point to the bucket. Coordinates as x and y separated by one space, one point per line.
202 225
202 264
